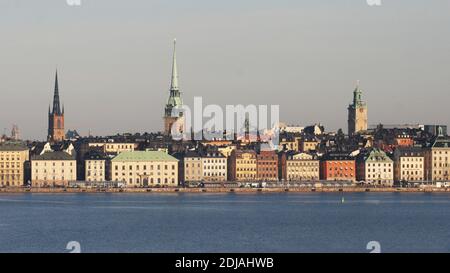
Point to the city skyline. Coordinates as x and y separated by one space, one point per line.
109 90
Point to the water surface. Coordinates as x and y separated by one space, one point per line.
229 222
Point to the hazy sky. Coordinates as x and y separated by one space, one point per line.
114 60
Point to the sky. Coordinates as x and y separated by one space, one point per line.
114 60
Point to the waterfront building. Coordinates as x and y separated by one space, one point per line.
13 158
214 166
339 166
296 166
193 167
56 117
357 113
53 169
437 159
267 165
96 166
242 165
409 164
374 167
174 101
145 168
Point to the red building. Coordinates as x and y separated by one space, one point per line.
267 166
338 166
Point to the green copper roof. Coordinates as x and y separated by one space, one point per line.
357 97
175 95
141 156
377 155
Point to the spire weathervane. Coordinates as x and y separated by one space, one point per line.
174 82
56 103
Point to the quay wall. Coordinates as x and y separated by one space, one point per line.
219 190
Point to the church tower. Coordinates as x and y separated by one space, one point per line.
174 101
56 117
357 113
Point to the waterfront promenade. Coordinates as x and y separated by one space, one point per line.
222 190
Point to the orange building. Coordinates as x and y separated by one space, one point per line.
267 166
338 166
403 140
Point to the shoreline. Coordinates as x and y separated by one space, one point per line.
221 190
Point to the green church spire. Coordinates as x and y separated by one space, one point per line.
175 95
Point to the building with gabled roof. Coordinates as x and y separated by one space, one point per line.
375 167
53 169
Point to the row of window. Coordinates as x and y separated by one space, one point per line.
146 181
56 178
144 174
9 177
53 164
379 165
303 169
144 167
50 171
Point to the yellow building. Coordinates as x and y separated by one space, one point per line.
193 167
307 145
145 168
242 165
409 164
289 144
302 167
53 169
437 160
12 164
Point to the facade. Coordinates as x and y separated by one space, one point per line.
375 167
437 160
267 166
53 169
172 119
357 113
308 144
242 165
193 167
112 147
214 166
56 117
13 158
409 164
145 168
288 144
338 166
96 167
301 167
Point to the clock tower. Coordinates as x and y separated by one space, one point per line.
357 113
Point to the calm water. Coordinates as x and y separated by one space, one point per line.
285 222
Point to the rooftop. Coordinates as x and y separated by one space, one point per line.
143 156
13 147
51 156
